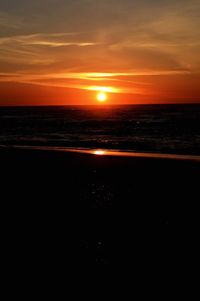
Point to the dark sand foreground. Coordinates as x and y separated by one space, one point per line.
64 209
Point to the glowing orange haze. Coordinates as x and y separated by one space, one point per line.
134 51
120 89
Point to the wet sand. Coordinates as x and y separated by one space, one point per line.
75 208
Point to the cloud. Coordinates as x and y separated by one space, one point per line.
83 43
41 49
51 39
90 81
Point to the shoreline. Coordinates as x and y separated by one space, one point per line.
90 210
105 152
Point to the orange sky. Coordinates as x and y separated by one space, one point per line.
64 52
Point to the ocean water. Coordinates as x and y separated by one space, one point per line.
144 128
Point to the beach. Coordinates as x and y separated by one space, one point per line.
99 148
64 208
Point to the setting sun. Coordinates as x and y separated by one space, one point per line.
101 97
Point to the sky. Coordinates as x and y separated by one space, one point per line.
60 52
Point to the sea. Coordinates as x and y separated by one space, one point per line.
169 129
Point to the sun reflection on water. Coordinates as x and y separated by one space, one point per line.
99 152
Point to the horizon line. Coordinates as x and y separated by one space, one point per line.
102 105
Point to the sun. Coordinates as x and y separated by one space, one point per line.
101 97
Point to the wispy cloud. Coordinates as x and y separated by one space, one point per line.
41 49
123 44
86 75
85 80
51 39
